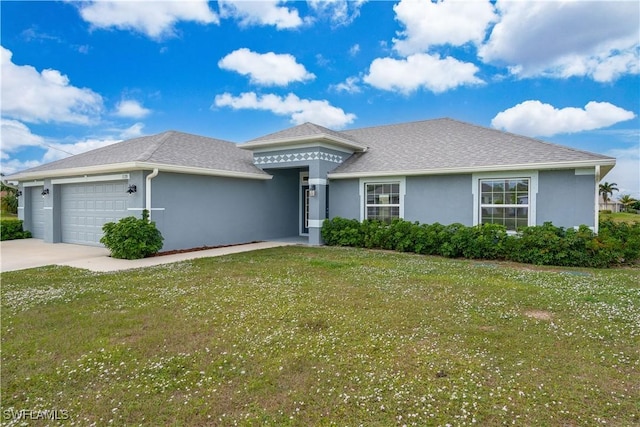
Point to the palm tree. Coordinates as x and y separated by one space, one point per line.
606 190
627 201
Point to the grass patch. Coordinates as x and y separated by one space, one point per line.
8 215
629 218
324 336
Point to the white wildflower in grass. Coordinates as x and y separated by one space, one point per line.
324 336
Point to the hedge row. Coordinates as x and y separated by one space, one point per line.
616 243
11 229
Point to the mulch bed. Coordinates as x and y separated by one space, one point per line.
200 248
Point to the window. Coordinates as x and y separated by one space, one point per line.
505 202
382 200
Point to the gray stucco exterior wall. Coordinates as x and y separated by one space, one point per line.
436 198
446 199
344 200
565 198
192 211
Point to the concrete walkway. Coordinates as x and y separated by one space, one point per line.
30 253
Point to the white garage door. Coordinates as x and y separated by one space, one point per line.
87 206
37 213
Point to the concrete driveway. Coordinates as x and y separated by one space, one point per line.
30 253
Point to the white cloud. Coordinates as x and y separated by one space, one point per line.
597 39
339 12
533 118
268 69
46 96
133 131
15 135
58 150
263 12
626 173
300 110
421 71
444 22
350 85
156 19
354 50
131 109
12 166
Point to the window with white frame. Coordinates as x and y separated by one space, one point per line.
382 200
505 201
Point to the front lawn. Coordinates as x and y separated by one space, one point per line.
322 336
629 218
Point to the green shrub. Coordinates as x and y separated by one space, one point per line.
132 238
484 241
342 232
429 238
375 234
616 243
9 203
11 229
537 245
621 240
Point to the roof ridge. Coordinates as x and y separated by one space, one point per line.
398 124
148 153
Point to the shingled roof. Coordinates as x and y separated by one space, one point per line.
423 147
303 133
446 145
171 151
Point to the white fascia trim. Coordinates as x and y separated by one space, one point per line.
378 180
91 178
302 147
585 171
129 166
205 171
322 140
477 169
533 190
33 184
317 181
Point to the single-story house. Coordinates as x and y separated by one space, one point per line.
202 191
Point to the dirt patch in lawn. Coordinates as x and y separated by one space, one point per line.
538 314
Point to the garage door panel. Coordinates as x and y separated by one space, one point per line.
87 207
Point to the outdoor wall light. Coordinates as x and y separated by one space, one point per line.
18 193
45 192
132 189
312 191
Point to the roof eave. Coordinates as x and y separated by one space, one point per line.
310 139
605 166
129 166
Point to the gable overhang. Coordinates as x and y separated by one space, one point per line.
329 141
605 166
131 166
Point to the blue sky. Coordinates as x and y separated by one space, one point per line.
80 75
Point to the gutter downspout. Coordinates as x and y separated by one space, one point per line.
148 190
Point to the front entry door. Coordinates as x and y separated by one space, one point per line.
304 218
